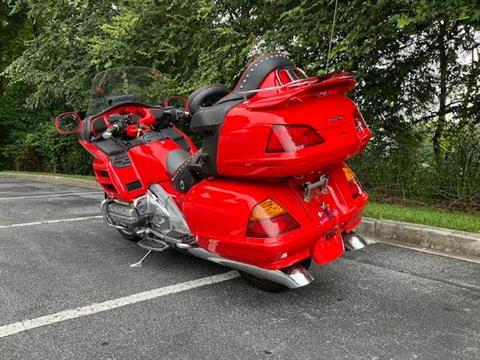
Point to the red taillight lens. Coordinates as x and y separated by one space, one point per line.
269 219
360 123
356 189
285 138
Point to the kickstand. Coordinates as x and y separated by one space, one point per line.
139 263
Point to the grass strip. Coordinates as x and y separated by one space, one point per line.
426 216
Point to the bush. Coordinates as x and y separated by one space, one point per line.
406 170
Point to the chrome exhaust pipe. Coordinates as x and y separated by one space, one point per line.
292 277
353 241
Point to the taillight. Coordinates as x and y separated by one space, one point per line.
353 183
360 123
285 138
269 219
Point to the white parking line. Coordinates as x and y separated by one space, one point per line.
49 195
22 326
51 221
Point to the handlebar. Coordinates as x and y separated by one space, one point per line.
119 122
107 134
179 114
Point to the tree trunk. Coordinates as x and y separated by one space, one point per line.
442 97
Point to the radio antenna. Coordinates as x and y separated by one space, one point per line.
331 35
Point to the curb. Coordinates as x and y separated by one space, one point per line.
444 241
92 184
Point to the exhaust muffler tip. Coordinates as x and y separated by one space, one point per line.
353 241
297 276
292 277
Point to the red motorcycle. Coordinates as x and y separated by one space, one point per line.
267 192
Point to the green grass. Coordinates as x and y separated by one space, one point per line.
426 216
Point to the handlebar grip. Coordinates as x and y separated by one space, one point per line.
107 134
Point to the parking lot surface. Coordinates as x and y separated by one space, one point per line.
56 254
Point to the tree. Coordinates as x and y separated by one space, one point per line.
417 62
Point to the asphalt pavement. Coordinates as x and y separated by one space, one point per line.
67 292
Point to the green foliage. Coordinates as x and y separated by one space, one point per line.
417 64
407 171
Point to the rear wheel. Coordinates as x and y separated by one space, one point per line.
130 236
267 285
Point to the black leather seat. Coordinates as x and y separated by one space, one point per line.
183 169
210 104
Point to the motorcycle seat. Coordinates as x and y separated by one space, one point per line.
208 113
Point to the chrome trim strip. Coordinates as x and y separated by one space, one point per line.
293 277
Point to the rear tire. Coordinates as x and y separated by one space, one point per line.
267 285
129 236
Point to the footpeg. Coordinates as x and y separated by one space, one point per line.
153 244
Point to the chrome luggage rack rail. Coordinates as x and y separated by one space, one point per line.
294 83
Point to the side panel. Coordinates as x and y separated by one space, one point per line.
218 210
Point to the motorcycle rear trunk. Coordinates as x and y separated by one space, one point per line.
254 132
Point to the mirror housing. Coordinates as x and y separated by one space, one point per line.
176 99
68 123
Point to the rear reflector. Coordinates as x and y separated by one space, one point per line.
349 175
353 183
269 219
286 138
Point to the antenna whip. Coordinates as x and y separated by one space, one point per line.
331 35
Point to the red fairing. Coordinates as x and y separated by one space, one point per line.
144 168
147 162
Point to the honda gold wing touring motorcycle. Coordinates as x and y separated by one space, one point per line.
268 191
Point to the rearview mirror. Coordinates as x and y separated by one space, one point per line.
68 123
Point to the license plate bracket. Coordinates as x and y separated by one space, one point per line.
321 184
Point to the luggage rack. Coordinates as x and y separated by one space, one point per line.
293 83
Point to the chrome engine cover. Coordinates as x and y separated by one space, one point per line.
156 210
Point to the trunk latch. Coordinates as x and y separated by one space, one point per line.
322 183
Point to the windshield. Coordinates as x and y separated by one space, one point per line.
126 85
